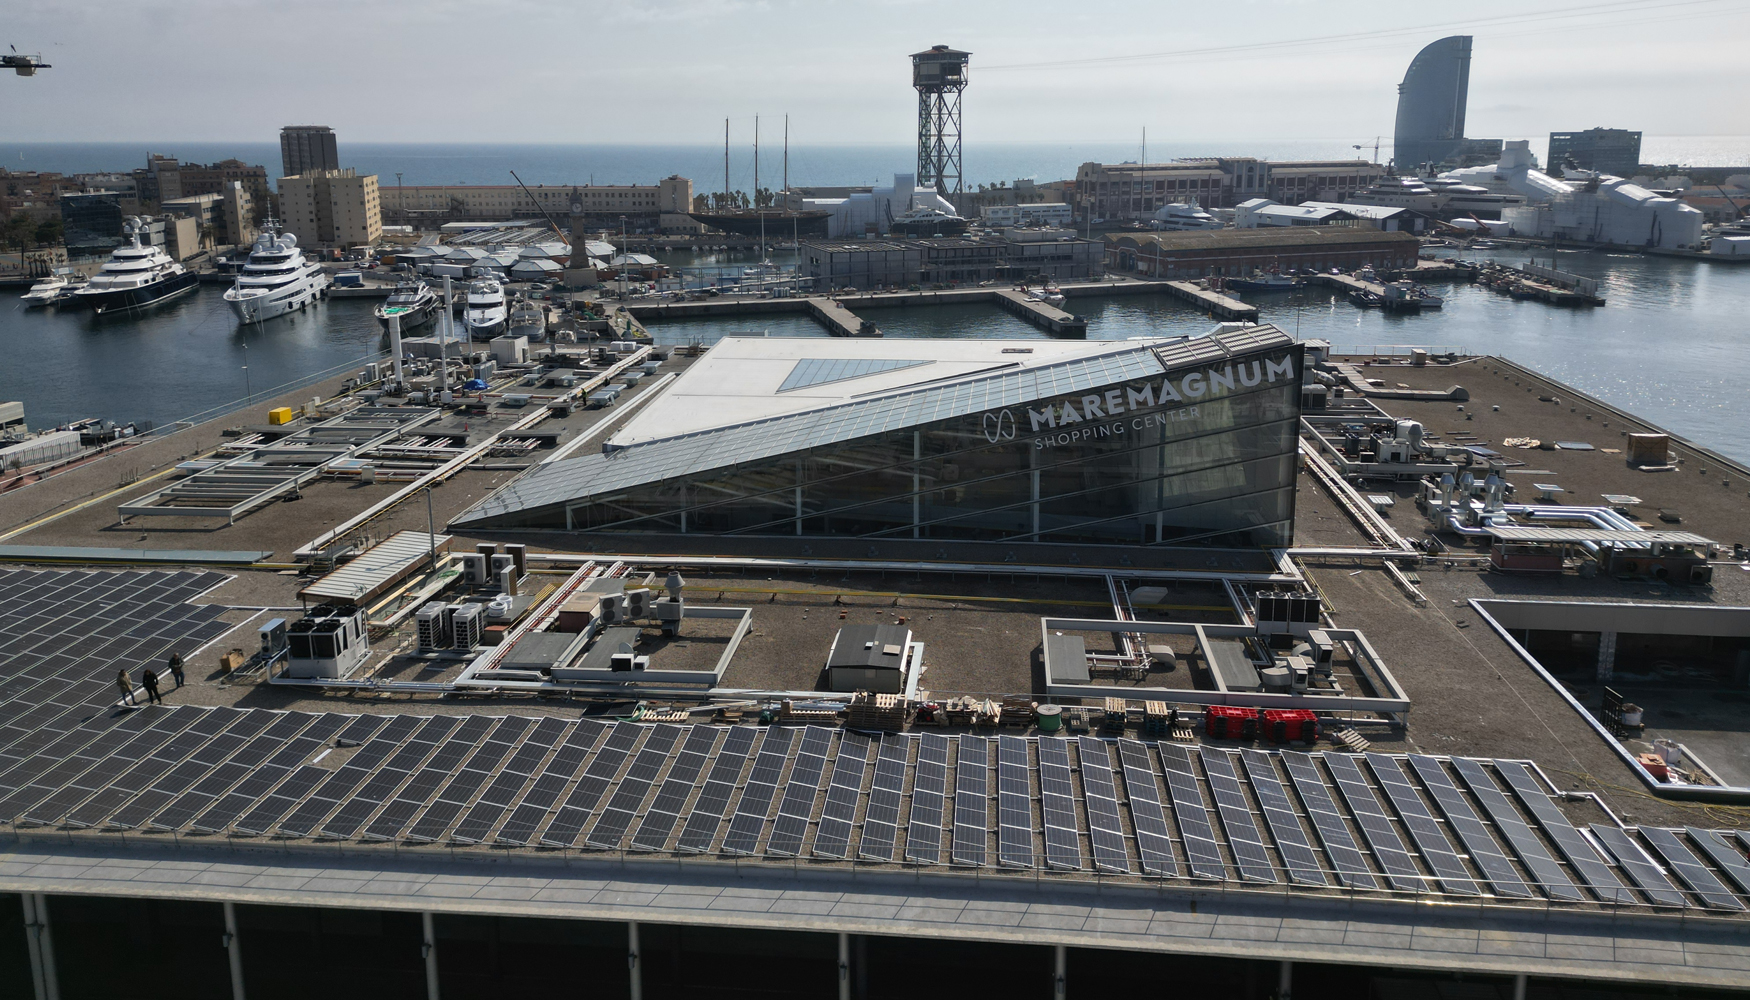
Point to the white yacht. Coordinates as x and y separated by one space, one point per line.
1399 192
1180 216
414 302
276 280
135 276
486 312
528 319
59 285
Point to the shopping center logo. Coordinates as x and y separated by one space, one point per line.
1074 418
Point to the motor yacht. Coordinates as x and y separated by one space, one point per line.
528 319
1180 216
486 313
136 276
56 287
414 302
276 279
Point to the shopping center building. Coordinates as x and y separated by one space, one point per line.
1184 441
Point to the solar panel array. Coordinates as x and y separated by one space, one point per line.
70 759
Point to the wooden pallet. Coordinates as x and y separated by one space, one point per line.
1350 740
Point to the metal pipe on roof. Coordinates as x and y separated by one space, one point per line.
877 565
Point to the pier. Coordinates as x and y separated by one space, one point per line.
1215 303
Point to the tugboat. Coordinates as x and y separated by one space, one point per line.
136 276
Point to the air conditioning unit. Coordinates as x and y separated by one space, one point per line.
612 608
506 579
474 569
432 625
638 604
468 625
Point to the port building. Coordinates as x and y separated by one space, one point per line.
1227 252
1132 443
860 213
1012 255
1120 192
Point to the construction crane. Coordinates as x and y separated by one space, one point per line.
1363 145
556 230
23 65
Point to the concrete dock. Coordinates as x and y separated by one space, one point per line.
1215 303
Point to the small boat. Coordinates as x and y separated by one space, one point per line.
414 302
1181 216
1364 299
1265 283
56 287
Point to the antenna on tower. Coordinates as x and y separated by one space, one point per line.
939 76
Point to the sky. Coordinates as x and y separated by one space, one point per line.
670 71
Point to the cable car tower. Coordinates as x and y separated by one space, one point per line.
939 76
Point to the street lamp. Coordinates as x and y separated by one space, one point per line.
248 393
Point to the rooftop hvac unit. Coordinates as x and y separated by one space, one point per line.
519 554
473 569
433 626
329 641
612 608
514 399
1294 614
468 625
638 603
273 638
506 578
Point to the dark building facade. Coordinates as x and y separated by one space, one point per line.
91 221
1228 252
1431 104
1185 442
1606 150
304 148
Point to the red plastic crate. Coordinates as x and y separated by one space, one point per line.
1228 722
1285 725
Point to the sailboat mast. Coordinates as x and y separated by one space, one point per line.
726 164
795 232
756 185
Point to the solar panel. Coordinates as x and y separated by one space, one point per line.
797 805
1057 802
1196 828
833 837
290 792
1725 857
395 772
563 766
971 801
756 796
610 828
507 786
459 791
1437 851
1555 823
1688 867
1014 804
1327 821
1154 838
1100 795
1370 815
881 817
711 807
929 790
242 763
677 787
178 779
1641 869
420 789
343 782
1243 836
1292 844
1503 878
1519 834
128 748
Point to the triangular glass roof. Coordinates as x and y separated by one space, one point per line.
819 371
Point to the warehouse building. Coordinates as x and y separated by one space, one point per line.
1241 251
1132 442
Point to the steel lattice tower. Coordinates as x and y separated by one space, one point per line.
939 76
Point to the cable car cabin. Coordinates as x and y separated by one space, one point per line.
1511 557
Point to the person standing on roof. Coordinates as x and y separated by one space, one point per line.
127 686
149 680
176 667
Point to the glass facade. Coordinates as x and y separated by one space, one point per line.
1431 103
1203 454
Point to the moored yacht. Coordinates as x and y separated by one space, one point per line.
528 319
486 313
1180 216
414 302
136 276
276 279
58 286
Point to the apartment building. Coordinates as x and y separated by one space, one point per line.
337 208
600 206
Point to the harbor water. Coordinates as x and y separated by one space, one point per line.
1672 345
